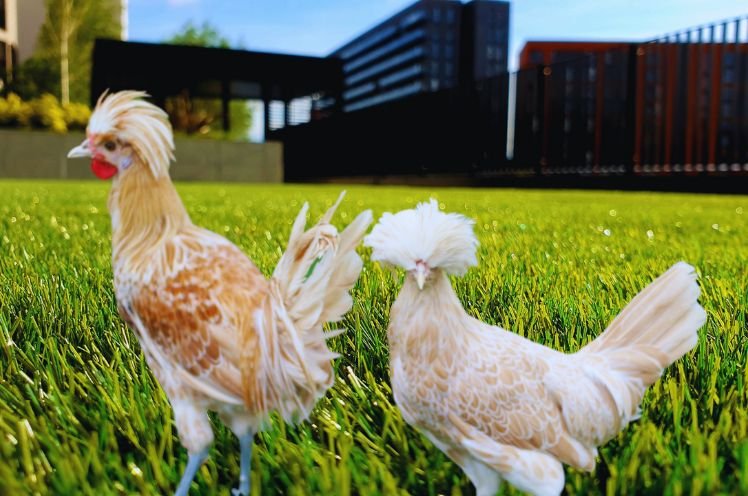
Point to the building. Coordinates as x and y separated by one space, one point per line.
282 82
671 106
566 92
428 46
485 40
8 40
20 24
30 19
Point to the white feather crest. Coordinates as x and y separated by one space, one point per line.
138 123
444 241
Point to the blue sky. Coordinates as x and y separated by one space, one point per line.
317 27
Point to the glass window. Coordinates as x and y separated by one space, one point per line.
450 16
277 112
400 92
384 49
449 50
728 75
2 14
358 91
367 42
449 69
436 14
401 75
386 64
299 110
413 18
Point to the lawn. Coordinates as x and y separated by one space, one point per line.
81 414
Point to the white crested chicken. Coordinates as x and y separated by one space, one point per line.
215 332
501 406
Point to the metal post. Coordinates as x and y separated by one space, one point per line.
266 113
225 105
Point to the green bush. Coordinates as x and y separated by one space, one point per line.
48 114
76 116
44 112
14 112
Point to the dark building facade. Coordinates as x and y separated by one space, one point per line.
673 106
429 46
167 71
485 39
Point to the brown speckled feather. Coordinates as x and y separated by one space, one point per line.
197 313
500 405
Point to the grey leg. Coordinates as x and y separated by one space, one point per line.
245 442
193 464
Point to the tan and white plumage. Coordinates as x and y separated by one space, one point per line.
502 406
215 332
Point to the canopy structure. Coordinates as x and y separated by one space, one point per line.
170 70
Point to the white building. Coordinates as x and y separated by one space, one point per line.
20 22
8 38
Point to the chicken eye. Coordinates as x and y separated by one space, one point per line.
110 145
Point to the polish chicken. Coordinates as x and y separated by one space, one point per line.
215 332
501 406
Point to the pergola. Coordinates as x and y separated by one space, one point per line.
169 70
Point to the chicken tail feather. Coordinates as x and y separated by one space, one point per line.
310 286
655 329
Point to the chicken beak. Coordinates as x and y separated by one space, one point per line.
422 271
80 151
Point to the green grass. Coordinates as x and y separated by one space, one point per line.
81 414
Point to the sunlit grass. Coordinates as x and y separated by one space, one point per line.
81 414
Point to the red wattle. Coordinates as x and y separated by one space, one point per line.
103 170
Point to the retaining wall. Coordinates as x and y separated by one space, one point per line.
39 154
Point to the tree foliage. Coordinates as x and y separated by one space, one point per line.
205 35
66 40
202 116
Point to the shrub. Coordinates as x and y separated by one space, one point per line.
44 112
14 112
76 116
47 114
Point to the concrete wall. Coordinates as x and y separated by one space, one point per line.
38 154
30 19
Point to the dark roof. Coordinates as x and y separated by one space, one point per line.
165 70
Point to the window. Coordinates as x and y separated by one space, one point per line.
389 47
367 42
413 18
387 64
401 75
2 14
277 112
450 16
358 91
436 15
299 110
385 97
